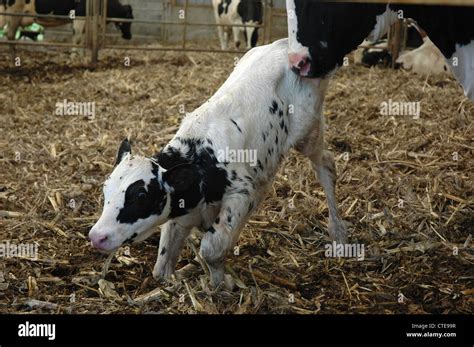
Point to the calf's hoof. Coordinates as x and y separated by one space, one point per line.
161 272
338 231
216 274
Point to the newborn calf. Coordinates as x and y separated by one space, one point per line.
218 167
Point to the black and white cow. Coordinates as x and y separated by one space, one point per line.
228 12
200 180
322 33
63 8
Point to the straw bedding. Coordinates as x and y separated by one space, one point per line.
405 188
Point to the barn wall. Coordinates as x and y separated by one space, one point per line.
147 10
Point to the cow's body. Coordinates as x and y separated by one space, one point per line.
262 108
60 8
322 33
230 12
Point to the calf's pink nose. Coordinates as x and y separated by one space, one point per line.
98 240
297 59
300 63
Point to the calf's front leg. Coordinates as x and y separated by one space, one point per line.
172 240
221 237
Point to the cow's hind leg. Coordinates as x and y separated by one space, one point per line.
222 37
236 32
322 162
78 36
251 36
172 240
13 23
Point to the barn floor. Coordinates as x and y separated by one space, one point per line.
405 189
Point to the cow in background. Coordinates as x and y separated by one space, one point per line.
229 12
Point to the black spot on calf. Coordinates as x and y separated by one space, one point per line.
250 206
235 123
130 239
274 107
141 202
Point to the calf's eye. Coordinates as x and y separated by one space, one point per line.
141 195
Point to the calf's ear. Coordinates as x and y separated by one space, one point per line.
180 177
124 149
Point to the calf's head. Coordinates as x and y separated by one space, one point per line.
137 198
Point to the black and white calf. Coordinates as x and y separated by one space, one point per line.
230 12
321 33
262 108
63 8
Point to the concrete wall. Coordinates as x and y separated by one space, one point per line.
147 10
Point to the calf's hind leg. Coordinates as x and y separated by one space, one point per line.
322 162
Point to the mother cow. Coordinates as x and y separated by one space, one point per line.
322 33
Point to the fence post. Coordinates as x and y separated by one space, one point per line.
92 13
396 41
185 25
270 22
103 23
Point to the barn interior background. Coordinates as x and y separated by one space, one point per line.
405 184
176 24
